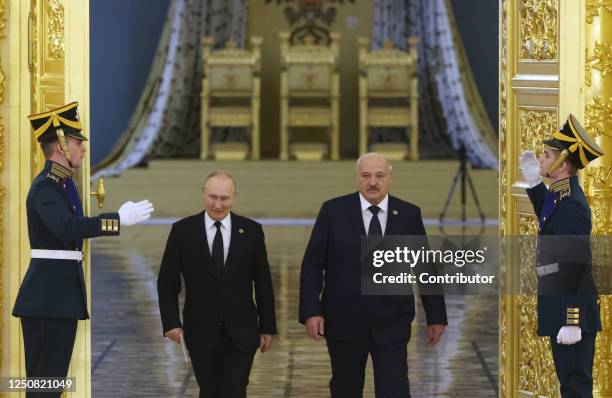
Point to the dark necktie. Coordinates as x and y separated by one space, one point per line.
374 229
217 248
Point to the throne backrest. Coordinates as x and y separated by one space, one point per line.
231 70
388 70
309 66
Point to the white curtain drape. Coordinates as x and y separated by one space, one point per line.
451 111
166 120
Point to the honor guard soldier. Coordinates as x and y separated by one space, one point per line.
568 311
52 295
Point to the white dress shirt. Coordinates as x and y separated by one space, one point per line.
366 214
211 231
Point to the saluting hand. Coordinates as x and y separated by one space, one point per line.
530 168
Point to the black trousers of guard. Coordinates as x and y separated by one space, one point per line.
48 344
348 363
574 366
224 372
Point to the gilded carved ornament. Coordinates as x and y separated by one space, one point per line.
593 6
503 180
55 28
534 127
597 117
2 82
601 60
2 18
603 348
538 26
536 368
2 189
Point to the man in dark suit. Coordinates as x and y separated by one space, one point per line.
355 325
52 295
221 256
568 312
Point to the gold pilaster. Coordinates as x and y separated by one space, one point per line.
17 174
48 57
555 58
2 176
76 88
530 54
597 178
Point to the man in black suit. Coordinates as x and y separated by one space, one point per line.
221 256
355 325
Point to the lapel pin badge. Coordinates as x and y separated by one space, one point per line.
241 230
395 212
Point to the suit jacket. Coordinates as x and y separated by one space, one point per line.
568 296
209 298
56 288
331 266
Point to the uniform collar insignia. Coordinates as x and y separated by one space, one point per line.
60 171
561 187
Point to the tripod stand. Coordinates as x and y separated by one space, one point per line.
463 174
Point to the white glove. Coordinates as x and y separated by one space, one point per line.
131 213
569 335
530 168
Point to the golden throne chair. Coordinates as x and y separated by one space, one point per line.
388 97
231 98
310 88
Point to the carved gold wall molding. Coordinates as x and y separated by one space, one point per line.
536 367
55 28
2 188
538 29
597 117
2 18
504 82
534 126
593 6
597 178
601 60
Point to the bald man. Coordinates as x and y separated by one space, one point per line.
222 258
355 326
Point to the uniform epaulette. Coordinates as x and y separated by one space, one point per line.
58 173
562 188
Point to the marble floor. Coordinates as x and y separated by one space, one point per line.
130 358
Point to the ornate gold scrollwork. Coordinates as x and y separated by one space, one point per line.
2 189
536 368
55 28
2 18
538 25
597 117
534 126
597 183
601 60
503 124
593 6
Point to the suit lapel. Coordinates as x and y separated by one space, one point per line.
355 214
393 220
235 242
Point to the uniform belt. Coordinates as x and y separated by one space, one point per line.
547 269
57 254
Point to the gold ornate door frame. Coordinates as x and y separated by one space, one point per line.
47 47
554 59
